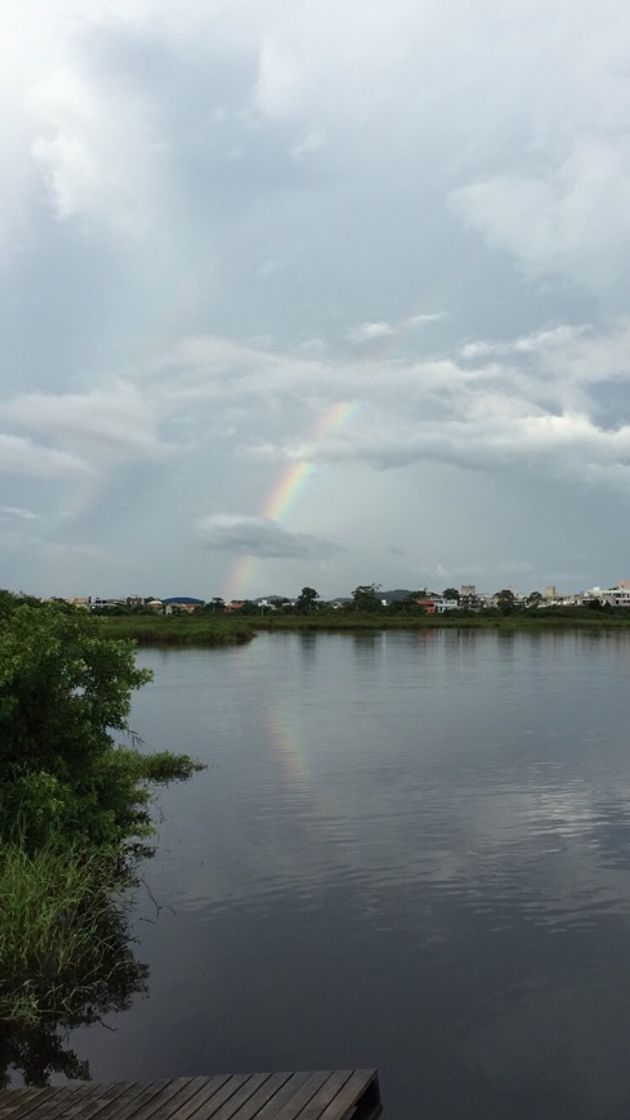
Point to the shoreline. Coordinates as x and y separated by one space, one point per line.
193 631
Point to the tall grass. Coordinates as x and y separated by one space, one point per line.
178 630
59 929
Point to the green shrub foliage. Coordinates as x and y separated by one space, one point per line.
65 689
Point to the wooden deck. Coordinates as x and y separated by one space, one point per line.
326 1095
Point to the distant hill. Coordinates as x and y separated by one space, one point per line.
395 596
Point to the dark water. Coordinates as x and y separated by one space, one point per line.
409 851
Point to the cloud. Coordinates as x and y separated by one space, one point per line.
421 318
556 338
18 512
96 150
280 78
535 402
22 456
395 160
109 424
567 220
258 536
371 332
313 141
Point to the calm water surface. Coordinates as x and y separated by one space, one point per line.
408 850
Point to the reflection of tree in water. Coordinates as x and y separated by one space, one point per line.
39 1049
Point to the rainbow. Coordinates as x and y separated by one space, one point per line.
286 491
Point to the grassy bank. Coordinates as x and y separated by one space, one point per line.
179 630
341 621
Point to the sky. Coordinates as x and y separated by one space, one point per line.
314 293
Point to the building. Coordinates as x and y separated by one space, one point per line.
443 605
185 603
429 606
616 596
550 591
611 596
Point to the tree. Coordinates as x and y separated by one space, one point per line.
365 598
307 600
250 607
534 598
451 593
64 688
411 604
505 600
216 605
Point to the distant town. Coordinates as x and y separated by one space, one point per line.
365 597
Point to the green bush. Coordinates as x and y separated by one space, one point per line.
65 686
74 807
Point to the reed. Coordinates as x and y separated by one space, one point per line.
59 930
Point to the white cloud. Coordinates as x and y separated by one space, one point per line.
370 332
279 79
116 423
532 401
258 536
22 456
96 151
423 317
543 341
569 220
18 512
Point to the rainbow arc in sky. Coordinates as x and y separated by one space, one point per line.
285 492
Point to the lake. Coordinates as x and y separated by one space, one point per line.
408 850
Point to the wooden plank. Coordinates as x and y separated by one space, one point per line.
342 1105
33 1106
247 1102
300 1098
178 1089
66 1101
284 1095
12 1099
210 1099
326 1094
237 1090
95 1104
76 1101
118 1097
322 1095
131 1101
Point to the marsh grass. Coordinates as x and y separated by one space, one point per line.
179 630
164 766
60 921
